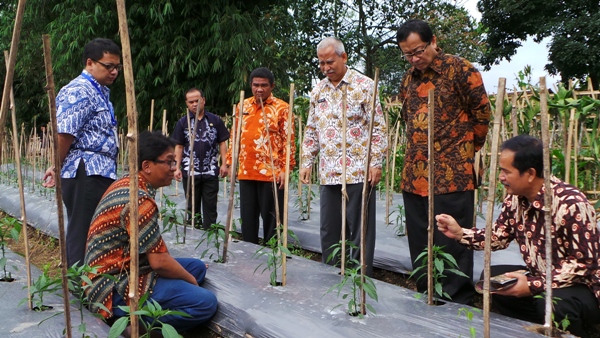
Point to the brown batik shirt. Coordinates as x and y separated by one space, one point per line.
575 239
462 115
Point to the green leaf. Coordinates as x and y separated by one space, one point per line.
118 327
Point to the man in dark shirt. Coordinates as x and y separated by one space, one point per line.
210 141
461 118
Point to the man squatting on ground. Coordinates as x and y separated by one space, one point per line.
173 282
210 141
262 156
575 241
462 114
87 141
323 136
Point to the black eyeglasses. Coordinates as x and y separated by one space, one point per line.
110 67
417 53
171 163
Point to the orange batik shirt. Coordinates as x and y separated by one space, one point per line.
255 160
462 115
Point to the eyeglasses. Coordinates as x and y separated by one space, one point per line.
110 67
417 53
170 163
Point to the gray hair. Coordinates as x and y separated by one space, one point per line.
337 44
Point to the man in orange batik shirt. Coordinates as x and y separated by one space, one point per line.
462 115
262 156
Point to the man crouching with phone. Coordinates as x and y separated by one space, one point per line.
575 241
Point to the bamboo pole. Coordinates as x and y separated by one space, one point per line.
233 171
132 137
58 182
344 192
366 194
21 192
513 116
10 67
300 140
387 174
490 206
286 191
547 203
151 115
190 188
430 197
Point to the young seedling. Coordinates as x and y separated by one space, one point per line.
352 277
273 250
10 228
213 237
468 313
302 203
149 316
565 322
442 263
400 222
42 286
172 217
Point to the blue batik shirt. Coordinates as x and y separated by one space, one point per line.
211 131
83 109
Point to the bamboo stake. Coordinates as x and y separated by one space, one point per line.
10 67
344 193
513 116
545 125
490 206
151 115
395 152
233 171
132 137
430 197
569 144
58 182
387 176
300 141
190 181
366 194
286 192
21 192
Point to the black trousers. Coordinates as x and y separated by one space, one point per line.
459 205
578 303
257 199
331 222
81 196
206 191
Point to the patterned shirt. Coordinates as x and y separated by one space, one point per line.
575 242
211 131
85 111
254 159
324 130
108 244
462 115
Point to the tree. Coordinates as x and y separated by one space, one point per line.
572 25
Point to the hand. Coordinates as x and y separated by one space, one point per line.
447 225
281 180
48 179
374 176
305 175
178 174
519 289
224 171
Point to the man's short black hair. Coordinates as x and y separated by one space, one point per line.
529 153
263 73
417 26
194 89
152 144
96 49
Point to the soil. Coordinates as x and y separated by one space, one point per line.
44 250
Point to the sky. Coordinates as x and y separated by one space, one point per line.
530 53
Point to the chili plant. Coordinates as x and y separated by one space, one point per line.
468 313
400 221
273 250
149 315
42 286
443 263
302 203
172 217
10 228
214 237
352 277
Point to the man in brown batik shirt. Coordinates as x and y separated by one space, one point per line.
461 116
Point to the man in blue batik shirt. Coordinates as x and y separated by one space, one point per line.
210 141
87 141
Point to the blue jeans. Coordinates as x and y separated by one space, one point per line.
179 295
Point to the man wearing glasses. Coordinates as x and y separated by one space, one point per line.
210 141
461 118
87 141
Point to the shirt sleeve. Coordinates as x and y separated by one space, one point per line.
502 231
379 138
478 105
73 109
149 232
178 134
310 144
283 127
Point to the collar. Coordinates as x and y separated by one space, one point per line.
538 202
436 64
269 100
346 79
94 79
143 184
